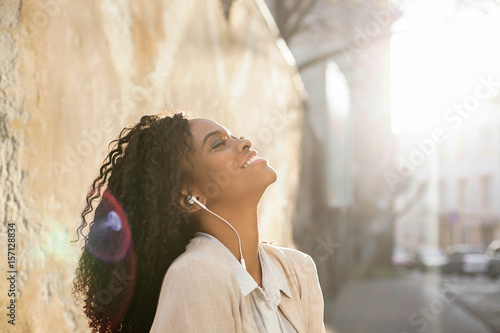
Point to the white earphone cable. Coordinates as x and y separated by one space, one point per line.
239 240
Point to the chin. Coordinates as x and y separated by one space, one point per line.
273 176
262 182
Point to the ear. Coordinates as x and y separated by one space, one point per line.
188 207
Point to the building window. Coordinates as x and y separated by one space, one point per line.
485 191
461 145
486 141
442 195
443 153
463 185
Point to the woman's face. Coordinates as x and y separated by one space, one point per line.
226 168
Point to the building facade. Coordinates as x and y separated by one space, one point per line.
75 73
469 179
460 199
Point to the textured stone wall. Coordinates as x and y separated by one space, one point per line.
74 73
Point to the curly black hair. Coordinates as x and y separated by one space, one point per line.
144 171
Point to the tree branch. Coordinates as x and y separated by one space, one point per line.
414 199
333 53
287 34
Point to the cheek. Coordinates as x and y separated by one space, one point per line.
220 168
201 174
199 171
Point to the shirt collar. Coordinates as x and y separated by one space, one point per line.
272 278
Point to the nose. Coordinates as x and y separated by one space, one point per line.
244 144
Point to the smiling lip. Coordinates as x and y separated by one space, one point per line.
248 157
257 160
252 155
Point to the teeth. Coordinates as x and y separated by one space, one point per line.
247 163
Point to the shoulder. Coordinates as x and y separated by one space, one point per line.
199 264
300 270
300 261
297 266
198 294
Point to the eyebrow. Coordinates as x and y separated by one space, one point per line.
210 134
207 136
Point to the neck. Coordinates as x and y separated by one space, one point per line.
245 222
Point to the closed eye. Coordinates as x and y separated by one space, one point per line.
219 143
223 141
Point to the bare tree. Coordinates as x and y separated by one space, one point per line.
331 21
411 191
486 6
336 22
290 15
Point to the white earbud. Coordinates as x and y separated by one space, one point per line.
192 200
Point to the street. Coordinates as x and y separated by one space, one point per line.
417 302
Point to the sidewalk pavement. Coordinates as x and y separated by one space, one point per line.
481 296
409 304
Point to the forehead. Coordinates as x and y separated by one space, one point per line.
202 126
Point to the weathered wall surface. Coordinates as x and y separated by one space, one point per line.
74 73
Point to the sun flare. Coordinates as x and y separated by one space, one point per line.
433 68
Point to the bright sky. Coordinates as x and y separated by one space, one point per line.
437 57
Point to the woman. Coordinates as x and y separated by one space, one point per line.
190 191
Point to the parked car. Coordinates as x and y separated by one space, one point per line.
493 255
428 258
400 256
466 259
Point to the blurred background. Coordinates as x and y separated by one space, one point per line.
380 117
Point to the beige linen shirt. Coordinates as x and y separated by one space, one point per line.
268 316
201 292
